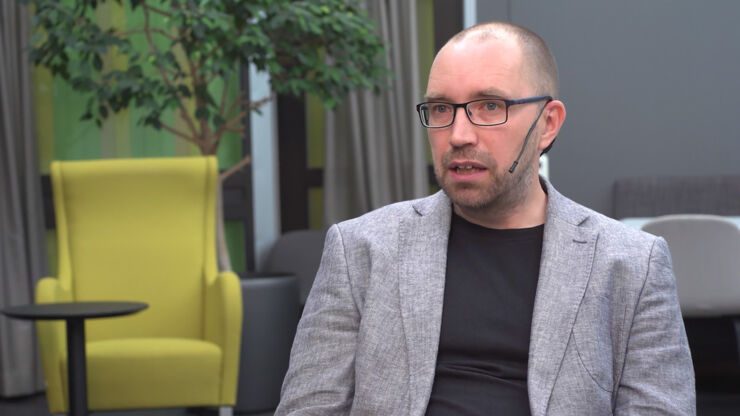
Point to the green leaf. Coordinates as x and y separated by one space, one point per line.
97 62
202 113
218 120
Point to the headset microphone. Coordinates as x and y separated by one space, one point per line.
526 139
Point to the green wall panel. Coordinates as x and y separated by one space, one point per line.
73 139
234 231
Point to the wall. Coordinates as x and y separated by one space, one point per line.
650 88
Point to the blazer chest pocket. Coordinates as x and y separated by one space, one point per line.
593 340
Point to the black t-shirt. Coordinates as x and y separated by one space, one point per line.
486 319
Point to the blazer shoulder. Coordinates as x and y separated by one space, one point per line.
378 217
609 229
389 216
616 231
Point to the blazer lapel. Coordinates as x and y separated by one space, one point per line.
565 266
421 286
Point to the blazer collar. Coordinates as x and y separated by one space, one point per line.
568 249
423 244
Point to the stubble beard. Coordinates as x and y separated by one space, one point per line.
501 193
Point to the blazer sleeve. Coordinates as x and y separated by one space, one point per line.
658 376
320 377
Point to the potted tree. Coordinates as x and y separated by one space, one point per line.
184 47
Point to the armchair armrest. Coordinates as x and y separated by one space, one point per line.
52 341
223 327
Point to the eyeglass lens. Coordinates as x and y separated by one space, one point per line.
479 112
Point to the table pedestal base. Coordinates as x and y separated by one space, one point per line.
76 367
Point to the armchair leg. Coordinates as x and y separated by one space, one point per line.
225 411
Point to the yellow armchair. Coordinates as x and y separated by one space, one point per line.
143 230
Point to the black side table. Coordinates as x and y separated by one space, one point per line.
75 314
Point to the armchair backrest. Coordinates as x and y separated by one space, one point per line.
138 230
705 250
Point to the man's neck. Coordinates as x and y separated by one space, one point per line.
530 212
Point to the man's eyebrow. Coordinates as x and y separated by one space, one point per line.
492 92
486 93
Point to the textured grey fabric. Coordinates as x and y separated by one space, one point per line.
375 149
22 250
607 335
654 196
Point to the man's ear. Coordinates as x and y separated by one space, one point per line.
554 116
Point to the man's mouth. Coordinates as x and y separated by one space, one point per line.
466 168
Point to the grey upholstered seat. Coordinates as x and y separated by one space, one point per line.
297 252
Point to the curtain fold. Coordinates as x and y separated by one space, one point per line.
375 147
22 246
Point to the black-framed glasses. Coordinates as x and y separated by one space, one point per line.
483 112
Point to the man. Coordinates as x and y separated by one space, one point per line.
497 295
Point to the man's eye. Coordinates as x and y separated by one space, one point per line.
491 106
439 108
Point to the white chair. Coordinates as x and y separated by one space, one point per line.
706 261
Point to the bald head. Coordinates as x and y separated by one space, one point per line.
538 62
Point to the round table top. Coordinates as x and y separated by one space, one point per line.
71 310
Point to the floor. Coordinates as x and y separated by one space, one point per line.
36 406
717 404
714 404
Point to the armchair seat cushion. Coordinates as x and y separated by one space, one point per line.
153 372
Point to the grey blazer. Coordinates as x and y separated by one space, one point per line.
607 335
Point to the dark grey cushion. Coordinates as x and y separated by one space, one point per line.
297 252
654 196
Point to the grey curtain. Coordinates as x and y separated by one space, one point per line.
22 251
375 147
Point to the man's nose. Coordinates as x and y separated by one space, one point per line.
463 131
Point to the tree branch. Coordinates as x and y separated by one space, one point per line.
142 31
156 10
198 80
237 167
223 97
235 129
234 104
188 120
163 74
253 105
181 134
148 32
211 78
231 124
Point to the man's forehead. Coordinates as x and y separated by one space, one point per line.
476 54
486 41
475 68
